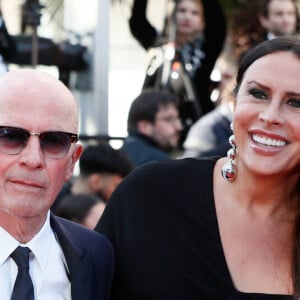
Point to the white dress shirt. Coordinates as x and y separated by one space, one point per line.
47 267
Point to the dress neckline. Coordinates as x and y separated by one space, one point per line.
237 293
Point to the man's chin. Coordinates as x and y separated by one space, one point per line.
170 148
286 33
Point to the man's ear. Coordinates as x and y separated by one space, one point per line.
95 182
263 21
233 104
145 127
74 158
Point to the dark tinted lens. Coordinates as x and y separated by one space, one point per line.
55 144
13 140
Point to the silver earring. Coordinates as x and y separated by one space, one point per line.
229 170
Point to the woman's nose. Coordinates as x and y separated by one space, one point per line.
272 115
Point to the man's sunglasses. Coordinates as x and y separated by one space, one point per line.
54 144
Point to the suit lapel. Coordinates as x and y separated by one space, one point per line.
78 262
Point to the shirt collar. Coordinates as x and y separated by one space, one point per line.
270 36
39 244
8 245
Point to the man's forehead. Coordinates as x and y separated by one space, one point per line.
281 4
30 79
30 83
169 110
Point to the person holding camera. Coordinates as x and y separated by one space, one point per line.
200 31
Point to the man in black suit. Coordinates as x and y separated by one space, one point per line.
38 151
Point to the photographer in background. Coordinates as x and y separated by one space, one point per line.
199 39
7 46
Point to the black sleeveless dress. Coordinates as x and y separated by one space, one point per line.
162 222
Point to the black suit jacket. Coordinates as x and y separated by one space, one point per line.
90 259
141 149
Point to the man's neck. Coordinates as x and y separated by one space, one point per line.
21 228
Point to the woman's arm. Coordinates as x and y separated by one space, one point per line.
140 27
7 43
215 28
214 38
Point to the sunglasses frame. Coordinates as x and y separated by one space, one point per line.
73 138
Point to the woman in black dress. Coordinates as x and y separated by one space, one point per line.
220 228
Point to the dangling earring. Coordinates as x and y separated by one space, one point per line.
229 170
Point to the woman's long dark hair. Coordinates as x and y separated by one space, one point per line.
289 44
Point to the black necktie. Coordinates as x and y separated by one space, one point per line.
23 288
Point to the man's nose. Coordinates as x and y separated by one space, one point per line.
32 155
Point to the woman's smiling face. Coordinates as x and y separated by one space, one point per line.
267 115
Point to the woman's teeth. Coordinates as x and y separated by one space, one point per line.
268 141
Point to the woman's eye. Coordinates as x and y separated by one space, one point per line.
259 94
294 103
181 10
